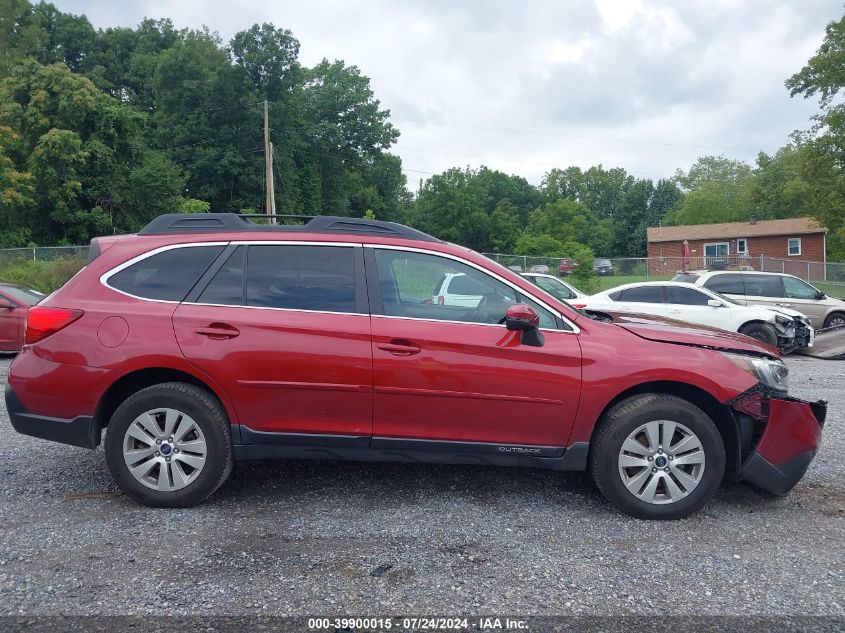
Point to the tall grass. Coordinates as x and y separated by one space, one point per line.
43 276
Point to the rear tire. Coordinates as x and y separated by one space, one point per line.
647 484
762 332
834 318
169 445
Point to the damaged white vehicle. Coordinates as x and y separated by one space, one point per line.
780 327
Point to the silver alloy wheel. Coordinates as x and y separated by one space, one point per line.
164 449
836 321
661 462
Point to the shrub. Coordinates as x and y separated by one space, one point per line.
43 276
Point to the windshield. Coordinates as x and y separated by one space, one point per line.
725 298
554 287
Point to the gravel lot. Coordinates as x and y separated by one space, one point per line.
385 539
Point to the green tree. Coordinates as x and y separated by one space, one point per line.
540 245
80 149
716 189
821 150
451 206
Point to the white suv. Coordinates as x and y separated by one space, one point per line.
774 290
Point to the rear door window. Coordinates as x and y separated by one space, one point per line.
227 285
763 286
686 296
300 277
728 284
165 276
643 294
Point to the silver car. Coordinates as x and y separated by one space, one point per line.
772 290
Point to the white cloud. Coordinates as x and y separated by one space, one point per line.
647 85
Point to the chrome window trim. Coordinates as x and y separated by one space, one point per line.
109 273
498 325
229 305
575 329
104 278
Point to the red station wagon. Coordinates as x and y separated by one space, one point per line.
208 338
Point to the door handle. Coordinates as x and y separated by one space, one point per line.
399 349
218 331
784 305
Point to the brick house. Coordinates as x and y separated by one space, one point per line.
790 239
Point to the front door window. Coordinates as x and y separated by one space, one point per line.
423 286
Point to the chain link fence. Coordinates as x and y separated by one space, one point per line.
828 276
43 253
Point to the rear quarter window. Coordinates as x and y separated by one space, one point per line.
764 286
165 276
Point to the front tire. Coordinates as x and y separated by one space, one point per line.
834 318
657 456
169 445
762 332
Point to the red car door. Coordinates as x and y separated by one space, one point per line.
12 318
290 344
452 373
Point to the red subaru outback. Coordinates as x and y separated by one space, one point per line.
208 338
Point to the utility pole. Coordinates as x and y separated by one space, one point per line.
270 203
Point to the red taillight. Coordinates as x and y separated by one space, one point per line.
41 321
579 305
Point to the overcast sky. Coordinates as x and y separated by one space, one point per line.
526 86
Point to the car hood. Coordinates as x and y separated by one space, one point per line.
662 330
784 311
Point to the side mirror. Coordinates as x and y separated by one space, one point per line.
521 317
820 295
5 304
714 303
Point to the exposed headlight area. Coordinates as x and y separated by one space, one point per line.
784 324
772 373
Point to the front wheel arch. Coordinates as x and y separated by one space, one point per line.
721 414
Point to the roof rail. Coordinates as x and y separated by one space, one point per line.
174 223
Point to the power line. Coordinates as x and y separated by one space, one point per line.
576 136
511 160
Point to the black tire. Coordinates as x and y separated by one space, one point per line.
625 418
834 318
762 332
208 414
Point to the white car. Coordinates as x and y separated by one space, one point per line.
781 327
556 287
772 290
458 289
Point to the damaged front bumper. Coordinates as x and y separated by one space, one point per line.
793 335
780 436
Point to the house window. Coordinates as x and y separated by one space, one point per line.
793 245
741 246
717 249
